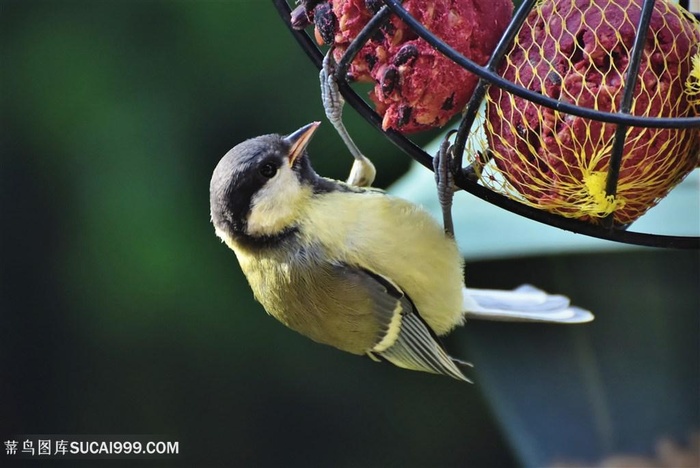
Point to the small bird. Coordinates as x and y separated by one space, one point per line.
350 266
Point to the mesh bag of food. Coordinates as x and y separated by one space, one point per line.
578 51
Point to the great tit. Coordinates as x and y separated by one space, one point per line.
353 267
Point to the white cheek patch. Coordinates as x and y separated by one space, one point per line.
277 205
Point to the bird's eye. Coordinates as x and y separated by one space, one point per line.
268 170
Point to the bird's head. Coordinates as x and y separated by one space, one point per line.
260 187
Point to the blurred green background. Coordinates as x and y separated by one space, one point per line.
122 313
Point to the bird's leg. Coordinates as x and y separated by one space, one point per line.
444 179
363 172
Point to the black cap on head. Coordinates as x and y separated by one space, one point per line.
235 179
246 168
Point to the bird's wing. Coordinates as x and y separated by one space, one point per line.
523 304
406 340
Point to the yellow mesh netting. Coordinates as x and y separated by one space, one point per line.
578 51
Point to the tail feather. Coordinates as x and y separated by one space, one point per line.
523 304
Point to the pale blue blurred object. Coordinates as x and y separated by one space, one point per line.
485 231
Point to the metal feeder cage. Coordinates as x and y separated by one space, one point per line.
488 76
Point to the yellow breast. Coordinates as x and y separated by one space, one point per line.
395 239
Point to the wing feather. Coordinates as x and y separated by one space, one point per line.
417 349
409 343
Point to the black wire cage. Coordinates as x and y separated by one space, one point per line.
488 76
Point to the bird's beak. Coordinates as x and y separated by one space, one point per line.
299 140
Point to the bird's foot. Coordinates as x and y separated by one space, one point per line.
445 181
333 101
363 172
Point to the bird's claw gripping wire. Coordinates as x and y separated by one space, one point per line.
445 181
363 172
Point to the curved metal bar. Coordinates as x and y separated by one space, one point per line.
577 226
569 224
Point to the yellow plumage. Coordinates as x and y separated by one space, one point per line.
354 229
397 240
